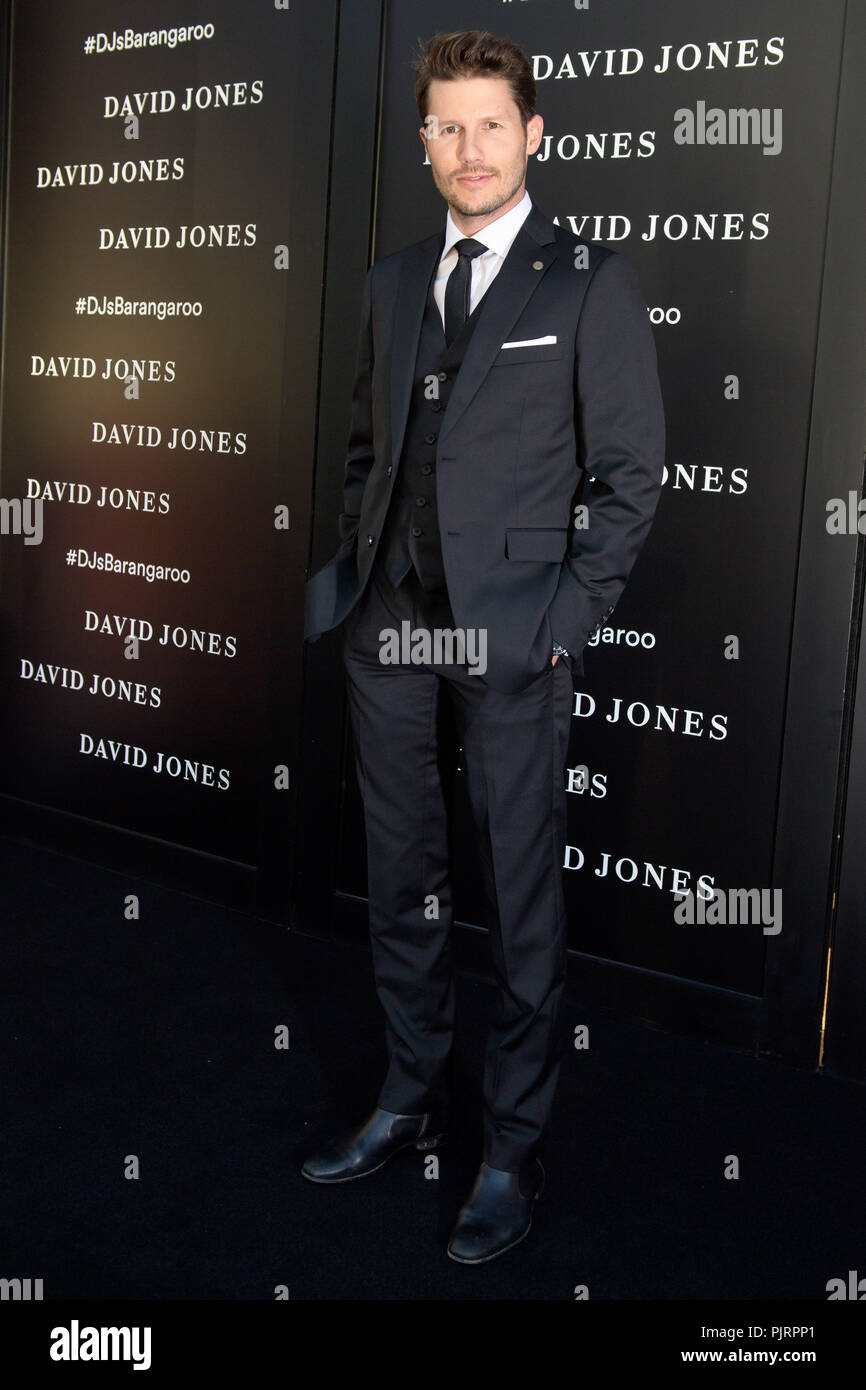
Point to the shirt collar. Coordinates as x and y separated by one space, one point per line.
497 235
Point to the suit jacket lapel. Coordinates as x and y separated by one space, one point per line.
417 267
504 302
533 250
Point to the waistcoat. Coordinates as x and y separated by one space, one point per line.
410 536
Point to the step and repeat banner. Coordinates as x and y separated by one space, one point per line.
696 138
165 261
165 231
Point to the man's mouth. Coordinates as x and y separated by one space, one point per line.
473 180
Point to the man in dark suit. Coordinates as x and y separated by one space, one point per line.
504 465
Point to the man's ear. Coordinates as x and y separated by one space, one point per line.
534 131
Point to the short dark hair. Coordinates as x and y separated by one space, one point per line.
475 53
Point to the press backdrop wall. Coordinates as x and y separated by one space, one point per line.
170 718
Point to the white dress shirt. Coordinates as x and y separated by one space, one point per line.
497 236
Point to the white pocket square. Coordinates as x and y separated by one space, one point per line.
531 342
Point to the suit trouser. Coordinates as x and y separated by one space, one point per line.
515 749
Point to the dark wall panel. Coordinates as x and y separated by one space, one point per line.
216 199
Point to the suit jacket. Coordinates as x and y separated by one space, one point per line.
568 418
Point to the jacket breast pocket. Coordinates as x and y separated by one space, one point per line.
536 543
539 352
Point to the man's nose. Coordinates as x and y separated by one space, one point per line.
469 149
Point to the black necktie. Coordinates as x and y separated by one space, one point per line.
457 288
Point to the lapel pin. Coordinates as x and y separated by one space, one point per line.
538 265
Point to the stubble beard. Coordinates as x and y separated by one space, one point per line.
453 198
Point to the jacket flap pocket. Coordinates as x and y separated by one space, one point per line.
536 543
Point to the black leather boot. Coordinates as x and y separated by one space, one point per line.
497 1214
358 1152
